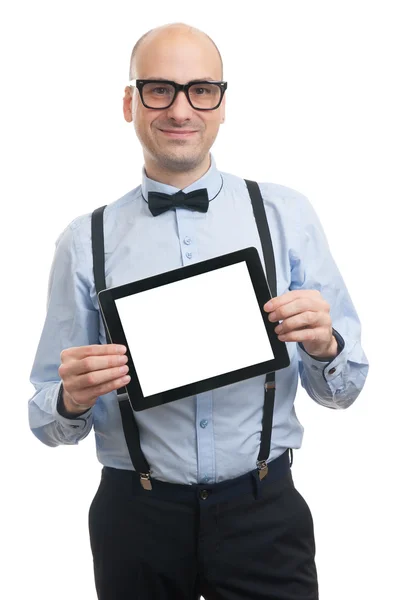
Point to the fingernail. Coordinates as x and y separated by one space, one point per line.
269 306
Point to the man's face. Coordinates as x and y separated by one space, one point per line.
178 138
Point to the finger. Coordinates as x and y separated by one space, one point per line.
290 296
295 307
79 383
86 396
80 352
96 378
305 319
284 299
90 364
308 334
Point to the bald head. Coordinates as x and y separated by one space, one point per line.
174 33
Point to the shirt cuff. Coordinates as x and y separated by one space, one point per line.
79 421
331 368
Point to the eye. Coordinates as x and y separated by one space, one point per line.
160 91
200 90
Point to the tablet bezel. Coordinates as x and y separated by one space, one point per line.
113 323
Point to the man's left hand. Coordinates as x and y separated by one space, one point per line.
305 317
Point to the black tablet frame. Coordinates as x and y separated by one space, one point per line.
113 323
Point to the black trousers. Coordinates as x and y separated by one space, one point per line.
240 540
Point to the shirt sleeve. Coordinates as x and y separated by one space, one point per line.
71 320
336 382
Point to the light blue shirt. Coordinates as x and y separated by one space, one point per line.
212 436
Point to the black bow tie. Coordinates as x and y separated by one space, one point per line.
196 200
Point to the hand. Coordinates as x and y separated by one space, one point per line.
305 317
88 372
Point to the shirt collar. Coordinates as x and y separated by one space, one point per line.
212 181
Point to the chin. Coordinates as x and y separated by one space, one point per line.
180 159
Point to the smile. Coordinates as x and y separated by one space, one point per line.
177 134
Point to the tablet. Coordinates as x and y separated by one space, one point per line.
194 329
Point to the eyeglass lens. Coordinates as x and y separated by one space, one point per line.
160 95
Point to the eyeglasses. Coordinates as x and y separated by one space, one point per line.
159 94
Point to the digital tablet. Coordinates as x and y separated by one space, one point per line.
194 329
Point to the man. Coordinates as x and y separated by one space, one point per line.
205 523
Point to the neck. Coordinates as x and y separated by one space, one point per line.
177 179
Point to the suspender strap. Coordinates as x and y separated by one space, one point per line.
269 260
130 428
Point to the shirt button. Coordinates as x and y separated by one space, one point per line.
331 371
187 240
189 254
203 423
206 478
204 494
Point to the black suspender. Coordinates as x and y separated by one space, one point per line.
129 423
269 261
130 428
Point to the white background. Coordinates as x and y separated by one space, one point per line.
320 122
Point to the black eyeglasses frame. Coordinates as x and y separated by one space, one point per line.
179 87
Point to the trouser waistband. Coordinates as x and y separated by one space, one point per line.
216 492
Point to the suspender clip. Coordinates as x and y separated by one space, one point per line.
262 468
270 385
146 481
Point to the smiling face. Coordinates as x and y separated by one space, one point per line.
176 139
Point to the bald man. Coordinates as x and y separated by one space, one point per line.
196 496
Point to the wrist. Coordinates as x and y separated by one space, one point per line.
67 407
330 352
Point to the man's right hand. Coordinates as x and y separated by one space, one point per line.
88 372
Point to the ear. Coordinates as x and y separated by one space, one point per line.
127 104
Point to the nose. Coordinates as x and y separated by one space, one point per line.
180 110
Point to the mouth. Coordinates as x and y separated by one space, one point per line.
177 134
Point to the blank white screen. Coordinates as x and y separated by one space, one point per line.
196 328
